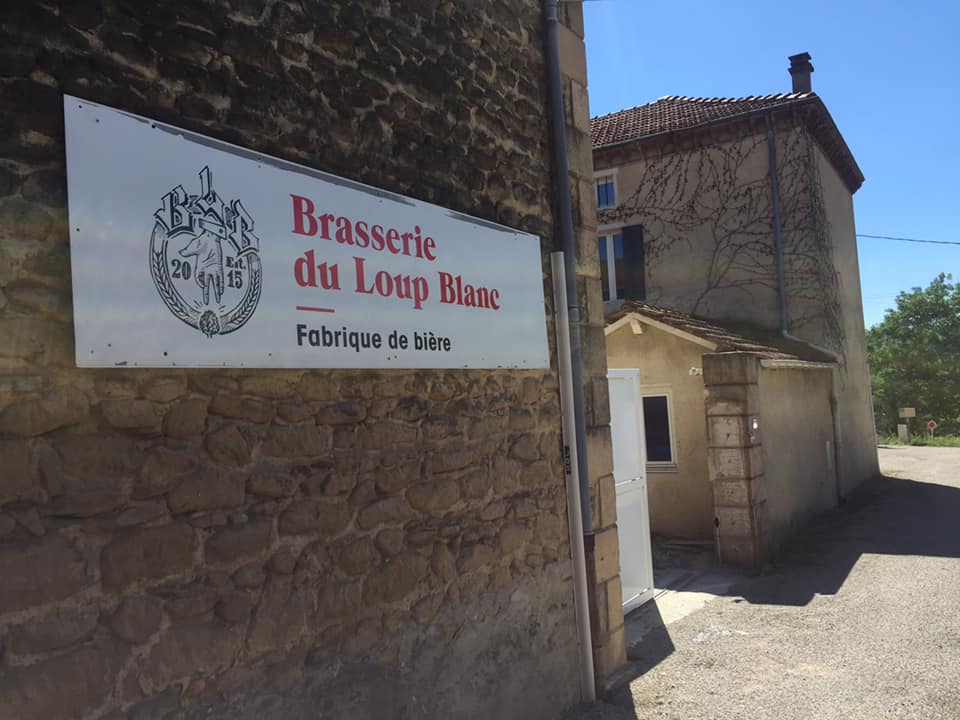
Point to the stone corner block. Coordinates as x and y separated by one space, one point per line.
741 550
613 590
609 653
579 106
730 431
603 555
731 368
606 501
599 452
573 55
598 401
738 399
732 463
571 15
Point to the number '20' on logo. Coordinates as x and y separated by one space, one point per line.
205 259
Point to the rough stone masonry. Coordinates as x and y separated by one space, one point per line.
288 544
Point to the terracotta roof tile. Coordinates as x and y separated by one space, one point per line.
679 113
728 337
676 114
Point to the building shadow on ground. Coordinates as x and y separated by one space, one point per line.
652 645
887 516
656 644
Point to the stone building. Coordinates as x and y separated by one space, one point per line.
738 213
238 543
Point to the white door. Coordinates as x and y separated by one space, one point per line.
629 472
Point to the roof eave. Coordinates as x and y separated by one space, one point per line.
640 316
856 179
853 179
708 123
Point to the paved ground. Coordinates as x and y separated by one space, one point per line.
859 619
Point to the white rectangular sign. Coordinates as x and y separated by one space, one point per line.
187 251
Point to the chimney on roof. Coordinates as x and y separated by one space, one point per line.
800 69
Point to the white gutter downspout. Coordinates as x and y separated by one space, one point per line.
581 598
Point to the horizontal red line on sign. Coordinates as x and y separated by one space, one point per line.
313 309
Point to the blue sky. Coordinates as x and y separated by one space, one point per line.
889 73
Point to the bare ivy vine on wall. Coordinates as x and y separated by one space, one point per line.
709 233
810 271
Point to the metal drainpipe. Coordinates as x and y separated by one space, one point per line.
570 359
558 141
578 561
782 289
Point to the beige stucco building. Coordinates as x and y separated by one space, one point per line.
678 489
739 433
739 212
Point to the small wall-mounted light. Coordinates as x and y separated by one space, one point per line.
696 371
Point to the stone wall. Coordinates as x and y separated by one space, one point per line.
267 544
602 545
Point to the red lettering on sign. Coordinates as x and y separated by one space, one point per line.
348 231
405 287
307 272
303 211
455 291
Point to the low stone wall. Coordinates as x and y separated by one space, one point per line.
771 452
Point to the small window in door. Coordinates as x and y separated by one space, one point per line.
656 426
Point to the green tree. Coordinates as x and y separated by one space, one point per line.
915 357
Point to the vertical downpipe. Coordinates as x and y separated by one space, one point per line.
558 142
570 356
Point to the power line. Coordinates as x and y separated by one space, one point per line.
913 240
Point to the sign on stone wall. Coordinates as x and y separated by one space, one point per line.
187 251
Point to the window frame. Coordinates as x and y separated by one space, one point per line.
606 234
599 175
660 466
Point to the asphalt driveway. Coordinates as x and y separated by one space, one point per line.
859 618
